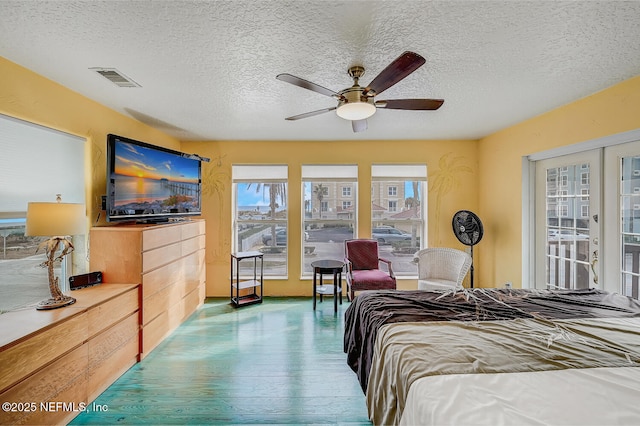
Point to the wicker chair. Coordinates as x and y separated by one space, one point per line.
363 267
441 268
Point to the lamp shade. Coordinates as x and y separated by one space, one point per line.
355 110
55 219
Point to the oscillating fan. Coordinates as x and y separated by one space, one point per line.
468 229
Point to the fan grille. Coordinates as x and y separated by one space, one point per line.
467 227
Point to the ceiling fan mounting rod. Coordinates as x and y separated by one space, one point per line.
355 73
354 93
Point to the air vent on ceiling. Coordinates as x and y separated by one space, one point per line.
116 77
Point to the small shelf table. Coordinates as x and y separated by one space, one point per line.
334 267
255 284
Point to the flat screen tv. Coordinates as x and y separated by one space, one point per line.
148 183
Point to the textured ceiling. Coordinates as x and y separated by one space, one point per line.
207 68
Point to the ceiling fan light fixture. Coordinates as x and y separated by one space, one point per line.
356 110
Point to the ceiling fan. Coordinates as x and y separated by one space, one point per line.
357 103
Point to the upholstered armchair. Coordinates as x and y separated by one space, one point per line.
441 268
363 267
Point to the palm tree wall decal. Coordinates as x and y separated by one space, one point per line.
445 179
214 183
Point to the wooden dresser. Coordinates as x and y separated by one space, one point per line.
167 260
54 363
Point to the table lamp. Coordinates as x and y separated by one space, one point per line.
58 221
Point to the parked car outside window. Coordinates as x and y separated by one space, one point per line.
566 234
389 234
281 237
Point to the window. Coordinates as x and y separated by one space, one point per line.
260 216
330 211
584 211
585 194
398 213
30 171
563 210
584 178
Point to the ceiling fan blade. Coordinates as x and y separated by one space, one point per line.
310 114
404 65
359 125
413 104
300 82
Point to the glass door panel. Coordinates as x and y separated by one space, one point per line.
622 225
567 229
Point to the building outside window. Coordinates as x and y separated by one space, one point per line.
398 213
330 213
260 216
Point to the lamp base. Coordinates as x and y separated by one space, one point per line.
55 303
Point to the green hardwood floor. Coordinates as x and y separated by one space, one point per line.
278 362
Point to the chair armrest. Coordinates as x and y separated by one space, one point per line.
348 265
388 262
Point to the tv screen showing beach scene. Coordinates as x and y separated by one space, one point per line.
149 183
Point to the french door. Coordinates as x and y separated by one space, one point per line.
622 226
567 221
587 220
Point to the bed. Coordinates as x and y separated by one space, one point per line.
496 356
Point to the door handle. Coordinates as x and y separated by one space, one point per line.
594 262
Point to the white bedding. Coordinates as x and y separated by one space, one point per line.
593 396
521 371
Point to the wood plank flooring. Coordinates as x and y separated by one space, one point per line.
278 362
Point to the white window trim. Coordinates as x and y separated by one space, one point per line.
347 173
265 173
406 172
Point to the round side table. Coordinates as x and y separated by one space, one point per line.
334 267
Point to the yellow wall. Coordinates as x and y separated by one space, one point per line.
499 254
486 179
452 175
452 168
31 97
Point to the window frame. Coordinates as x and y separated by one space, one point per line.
403 219
323 215
261 175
